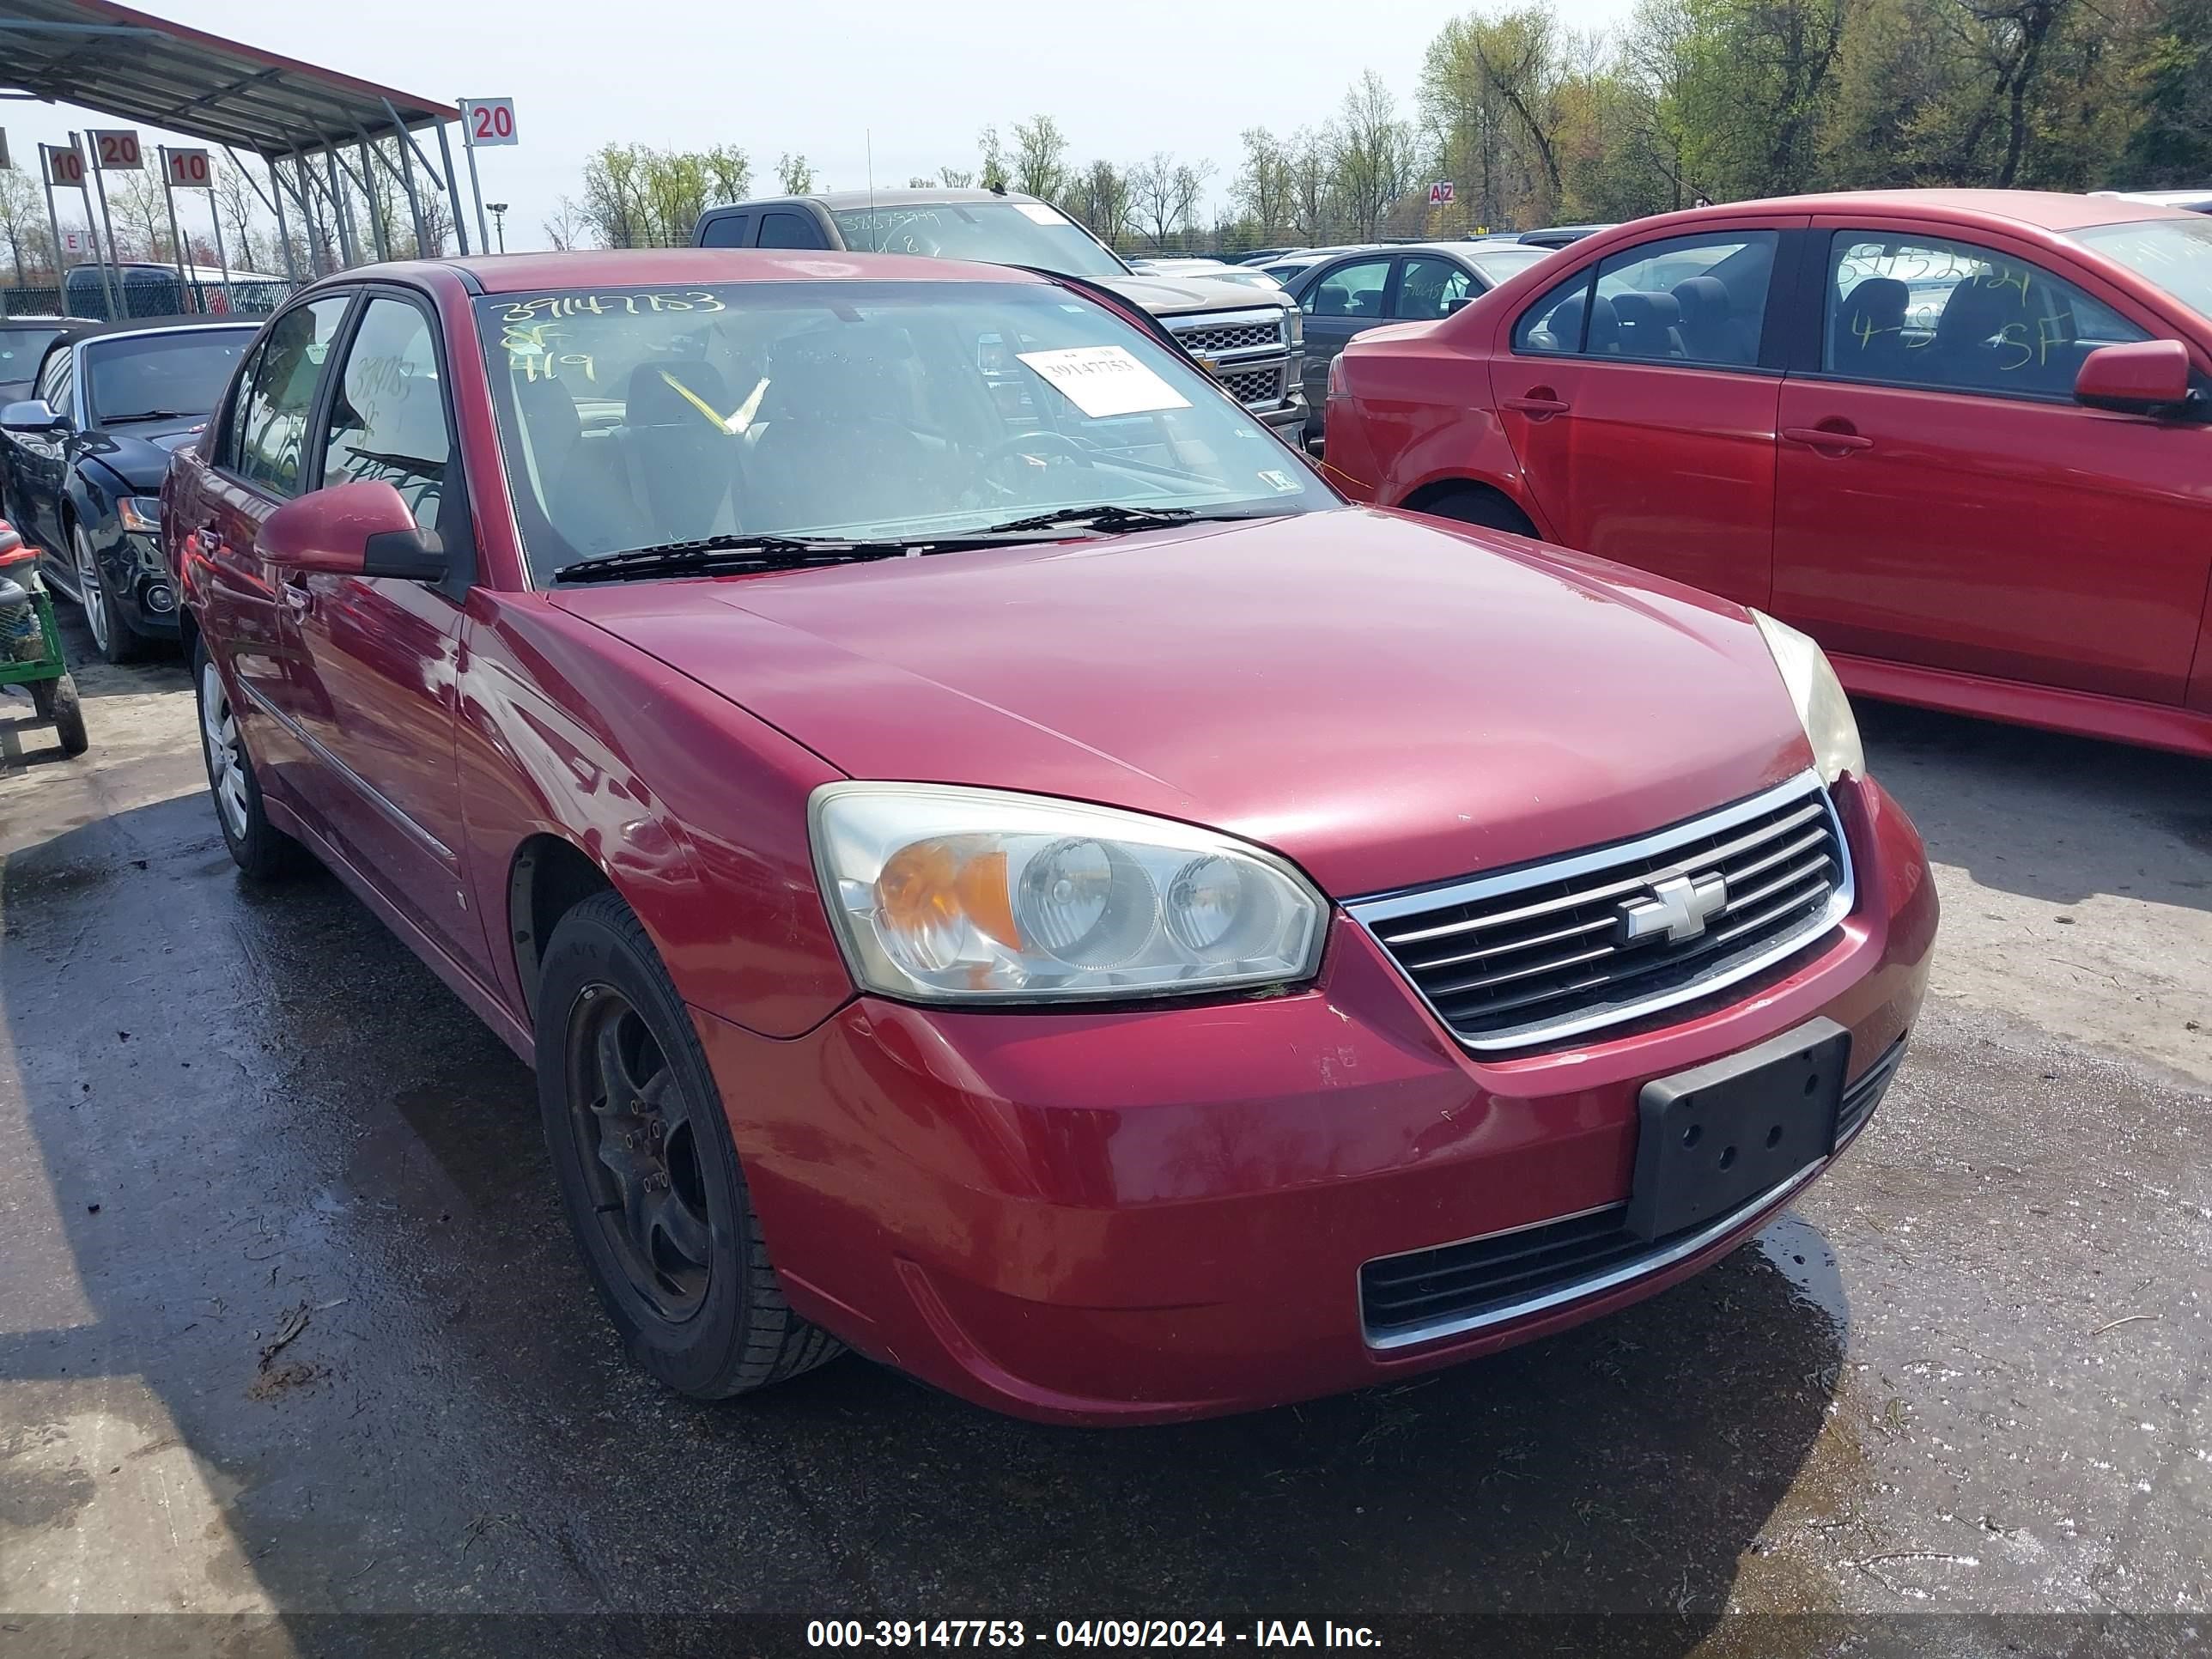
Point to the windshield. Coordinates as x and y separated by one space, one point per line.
182 372
990 233
21 350
2175 254
860 411
1496 264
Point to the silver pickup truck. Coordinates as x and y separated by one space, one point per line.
1253 340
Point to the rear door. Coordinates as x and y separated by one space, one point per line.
381 654
1943 501
789 227
1640 396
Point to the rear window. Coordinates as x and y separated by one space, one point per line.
990 233
21 350
2175 254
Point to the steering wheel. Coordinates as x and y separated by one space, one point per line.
1027 443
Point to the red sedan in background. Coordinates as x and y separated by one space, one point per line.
1962 438
995 863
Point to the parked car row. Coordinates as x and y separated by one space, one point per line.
920 770
1962 438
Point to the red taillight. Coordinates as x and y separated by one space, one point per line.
1336 387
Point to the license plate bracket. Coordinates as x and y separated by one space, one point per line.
1711 1140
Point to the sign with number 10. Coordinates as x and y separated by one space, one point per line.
65 167
189 169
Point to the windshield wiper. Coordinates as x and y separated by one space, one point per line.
718 554
145 415
1111 518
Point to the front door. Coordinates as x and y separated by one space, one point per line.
381 653
1635 399
1945 502
254 469
1345 301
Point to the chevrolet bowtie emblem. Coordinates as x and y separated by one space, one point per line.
1677 906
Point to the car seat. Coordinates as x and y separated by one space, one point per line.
682 457
1647 324
1710 330
1866 339
1563 329
581 486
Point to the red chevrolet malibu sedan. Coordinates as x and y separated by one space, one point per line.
1962 438
995 864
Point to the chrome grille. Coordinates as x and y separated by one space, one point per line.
1455 1289
1546 951
1207 340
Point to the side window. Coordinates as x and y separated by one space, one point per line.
1554 325
1426 288
54 379
1353 290
388 414
233 412
278 397
1928 312
780 227
1689 298
726 231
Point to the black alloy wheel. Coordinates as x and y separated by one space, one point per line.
633 1124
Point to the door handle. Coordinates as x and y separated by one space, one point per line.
1821 437
1538 405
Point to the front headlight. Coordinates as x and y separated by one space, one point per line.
941 894
1822 708
141 514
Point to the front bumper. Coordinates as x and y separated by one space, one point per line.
1148 1215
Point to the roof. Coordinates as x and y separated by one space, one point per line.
2045 210
613 269
16 318
150 325
843 200
105 57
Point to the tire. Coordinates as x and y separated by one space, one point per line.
1484 507
259 848
680 1266
58 705
118 641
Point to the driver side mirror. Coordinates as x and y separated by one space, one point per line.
32 414
360 528
2137 379
1458 303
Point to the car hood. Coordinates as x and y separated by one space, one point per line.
1177 297
1385 700
139 455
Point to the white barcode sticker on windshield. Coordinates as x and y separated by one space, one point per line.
1040 213
1103 380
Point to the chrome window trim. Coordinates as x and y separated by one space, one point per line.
369 792
1369 913
1655 1261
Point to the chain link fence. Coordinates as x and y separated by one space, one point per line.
145 291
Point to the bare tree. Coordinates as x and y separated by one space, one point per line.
1264 187
952 178
23 222
1313 185
993 171
565 229
239 205
1101 197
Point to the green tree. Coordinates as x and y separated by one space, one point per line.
795 173
2170 143
1037 165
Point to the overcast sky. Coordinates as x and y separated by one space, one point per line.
1123 80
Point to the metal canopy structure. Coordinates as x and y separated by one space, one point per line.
315 130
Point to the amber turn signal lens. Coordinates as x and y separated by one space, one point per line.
935 884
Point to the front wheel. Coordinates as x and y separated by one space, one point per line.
119 641
648 1172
